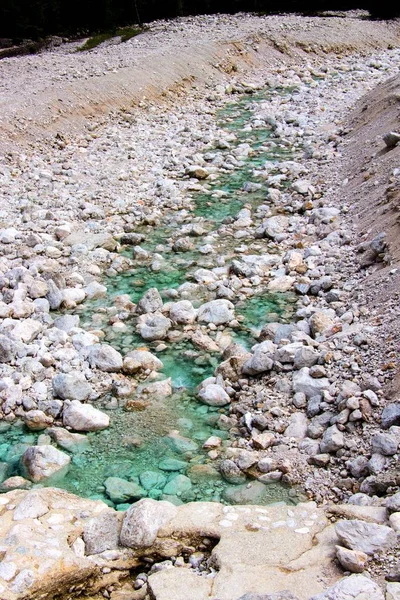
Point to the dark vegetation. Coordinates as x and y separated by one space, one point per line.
35 19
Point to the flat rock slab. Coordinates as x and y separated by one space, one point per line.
179 584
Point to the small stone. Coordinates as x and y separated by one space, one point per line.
351 560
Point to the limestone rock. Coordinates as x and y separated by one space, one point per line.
71 386
214 395
217 312
332 440
139 360
153 326
84 417
39 463
105 358
303 382
183 312
32 506
143 520
365 537
355 587
321 321
393 503
351 560
391 139
36 420
73 442
101 532
151 302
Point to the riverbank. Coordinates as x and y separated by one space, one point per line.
260 207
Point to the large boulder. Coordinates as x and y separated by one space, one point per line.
84 417
39 463
153 326
105 358
217 312
71 386
142 522
366 537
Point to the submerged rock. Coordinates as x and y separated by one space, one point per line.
120 490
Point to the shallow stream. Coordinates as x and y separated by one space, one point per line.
139 447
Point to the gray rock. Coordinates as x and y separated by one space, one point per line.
384 443
54 295
393 503
214 395
366 537
303 382
150 302
32 506
142 522
73 442
153 326
9 349
355 587
66 322
84 417
183 312
105 358
391 139
358 466
231 472
284 595
71 386
305 357
297 427
39 463
262 359
102 532
217 312
332 440
351 560
139 360
390 415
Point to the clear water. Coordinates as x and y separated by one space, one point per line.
161 439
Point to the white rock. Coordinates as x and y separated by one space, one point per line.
84 417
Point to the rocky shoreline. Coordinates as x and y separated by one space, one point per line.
306 405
